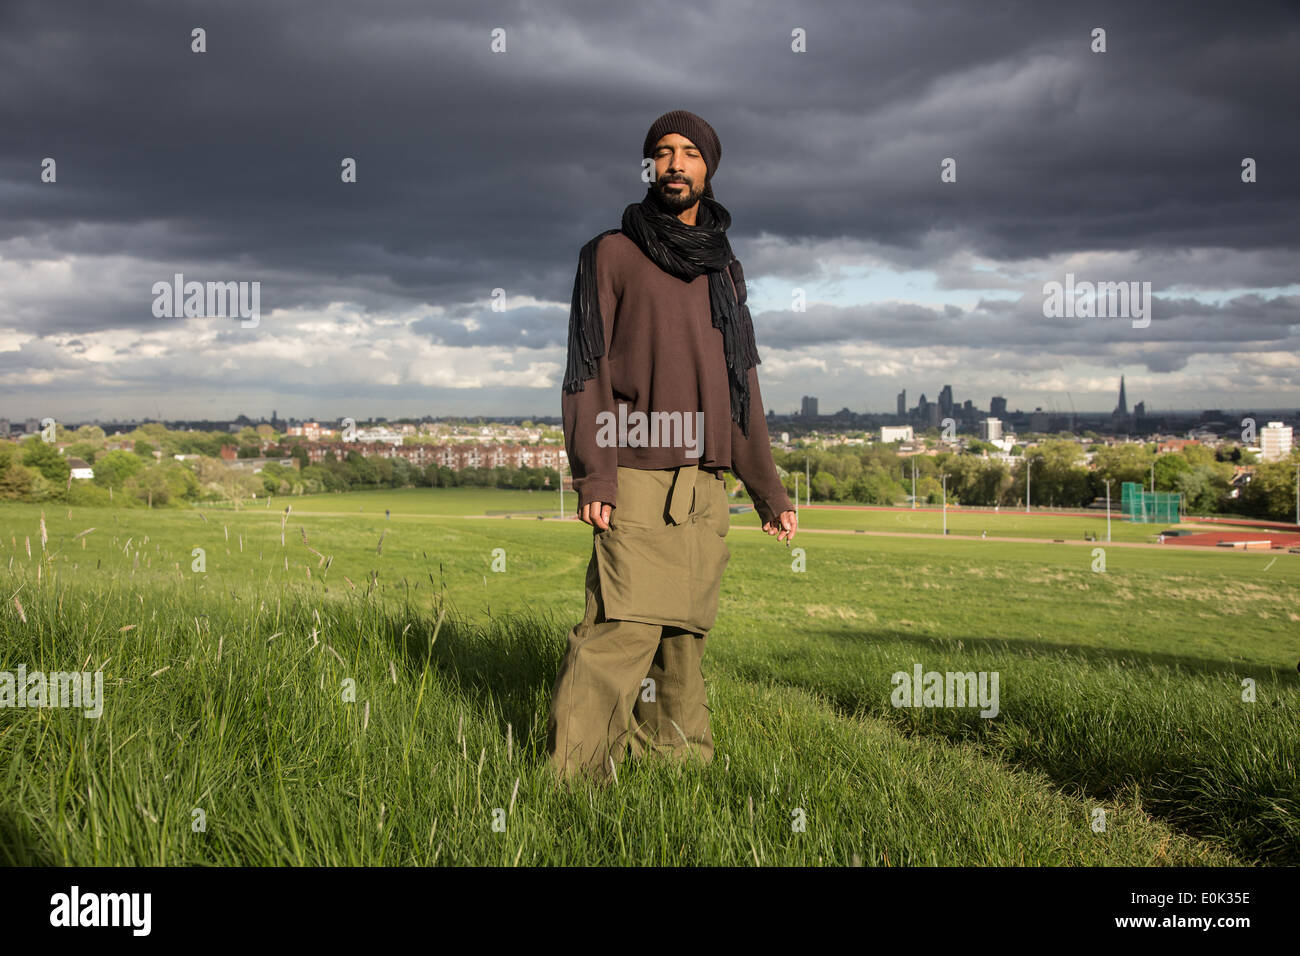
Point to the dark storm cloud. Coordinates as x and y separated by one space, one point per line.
1243 322
480 171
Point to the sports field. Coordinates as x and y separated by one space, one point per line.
296 701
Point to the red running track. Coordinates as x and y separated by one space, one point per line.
1211 539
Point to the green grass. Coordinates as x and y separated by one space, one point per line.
1120 690
418 503
1005 523
415 501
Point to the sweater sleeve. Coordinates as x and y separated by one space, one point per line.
594 469
751 460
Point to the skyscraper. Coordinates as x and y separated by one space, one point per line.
902 404
945 401
1122 407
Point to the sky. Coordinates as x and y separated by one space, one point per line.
491 140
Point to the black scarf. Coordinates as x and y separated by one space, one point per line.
686 252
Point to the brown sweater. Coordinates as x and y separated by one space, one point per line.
662 354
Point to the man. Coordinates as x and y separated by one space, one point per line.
659 336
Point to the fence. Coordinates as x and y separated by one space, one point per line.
1149 507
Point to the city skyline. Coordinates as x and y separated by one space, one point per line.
809 406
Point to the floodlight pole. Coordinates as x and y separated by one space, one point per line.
914 483
944 481
1107 509
1027 477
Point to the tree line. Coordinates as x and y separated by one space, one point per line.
1058 474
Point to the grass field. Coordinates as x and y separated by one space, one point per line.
1120 690
465 502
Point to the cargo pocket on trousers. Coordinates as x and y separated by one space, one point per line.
712 555
670 575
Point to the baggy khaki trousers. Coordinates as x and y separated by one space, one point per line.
631 674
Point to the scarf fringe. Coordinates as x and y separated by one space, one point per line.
586 328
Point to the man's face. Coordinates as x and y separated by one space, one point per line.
679 172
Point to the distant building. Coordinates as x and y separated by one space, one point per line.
387 435
998 407
990 429
902 404
81 469
255 465
893 433
311 431
808 409
1274 441
455 457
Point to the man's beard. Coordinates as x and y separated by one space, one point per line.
676 200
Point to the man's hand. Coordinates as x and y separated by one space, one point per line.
788 525
596 513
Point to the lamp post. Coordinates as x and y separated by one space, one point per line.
1028 475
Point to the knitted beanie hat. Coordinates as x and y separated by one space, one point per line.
695 129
